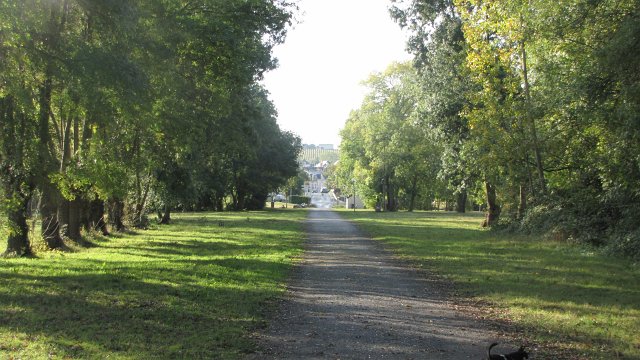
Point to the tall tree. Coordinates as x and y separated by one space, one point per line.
109 94
384 149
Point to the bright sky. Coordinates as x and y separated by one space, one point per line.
325 57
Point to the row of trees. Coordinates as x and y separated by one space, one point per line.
121 107
531 108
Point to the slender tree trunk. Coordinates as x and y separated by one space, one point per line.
532 121
69 212
493 209
461 201
414 193
50 227
522 205
46 165
76 135
384 196
142 201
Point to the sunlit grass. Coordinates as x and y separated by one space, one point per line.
562 295
193 289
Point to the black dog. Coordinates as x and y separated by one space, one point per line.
518 355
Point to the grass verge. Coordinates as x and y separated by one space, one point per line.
193 289
577 302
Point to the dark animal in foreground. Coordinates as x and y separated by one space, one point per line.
517 355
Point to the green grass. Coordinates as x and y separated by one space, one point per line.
194 289
564 297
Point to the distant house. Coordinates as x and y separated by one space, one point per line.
314 160
349 202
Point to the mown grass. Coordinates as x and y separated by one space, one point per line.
585 305
192 290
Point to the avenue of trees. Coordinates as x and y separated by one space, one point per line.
530 109
111 109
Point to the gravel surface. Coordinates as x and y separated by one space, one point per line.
349 299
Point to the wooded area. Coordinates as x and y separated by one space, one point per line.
124 107
530 109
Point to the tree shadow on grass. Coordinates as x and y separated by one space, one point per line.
93 315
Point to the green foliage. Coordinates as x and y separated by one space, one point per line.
133 101
384 148
193 289
538 101
572 302
586 218
297 199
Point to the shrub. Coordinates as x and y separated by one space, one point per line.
299 199
607 221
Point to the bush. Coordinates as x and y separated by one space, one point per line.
608 221
299 199
627 245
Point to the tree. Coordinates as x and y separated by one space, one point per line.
538 100
439 47
109 94
383 147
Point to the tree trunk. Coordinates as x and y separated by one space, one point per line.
522 205
95 217
75 219
13 140
18 241
414 193
50 227
63 218
68 210
461 201
493 209
532 121
142 202
166 217
391 199
69 213
116 214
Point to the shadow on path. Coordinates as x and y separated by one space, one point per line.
348 299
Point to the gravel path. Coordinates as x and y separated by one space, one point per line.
349 299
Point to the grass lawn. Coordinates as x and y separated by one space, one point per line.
193 289
584 305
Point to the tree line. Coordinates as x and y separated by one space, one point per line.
528 108
110 109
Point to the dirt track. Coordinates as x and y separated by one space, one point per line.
348 299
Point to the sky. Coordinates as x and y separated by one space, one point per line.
336 45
